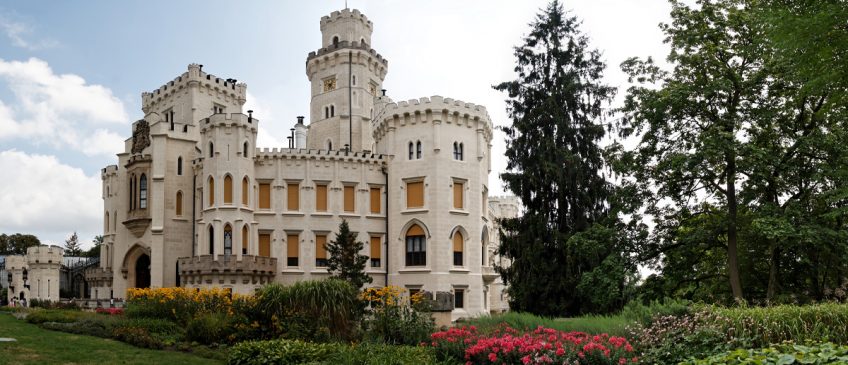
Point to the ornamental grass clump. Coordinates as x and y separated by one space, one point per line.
540 346
394 318
177 304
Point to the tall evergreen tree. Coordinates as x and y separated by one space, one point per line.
565 250
72 246
345 260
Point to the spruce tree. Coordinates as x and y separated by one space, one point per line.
72 246
345 261
564 251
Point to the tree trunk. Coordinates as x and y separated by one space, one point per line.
773 271
732 250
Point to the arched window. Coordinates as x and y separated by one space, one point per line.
211 240
178 204
326 112
457 151
411 152
353 80
245 150
211 150
228 240
179 165
114 221
107 223
142 192
332 110
458 244
461 151
228 189
245 239
416 246
132 192
245 192
211 191
329 145
484 240
336 40
418 150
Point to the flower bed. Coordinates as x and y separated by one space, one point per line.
541 346
110 311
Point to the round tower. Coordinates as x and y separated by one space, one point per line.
43 264
345 75
225 182
438 187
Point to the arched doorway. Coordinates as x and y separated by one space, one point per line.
142 271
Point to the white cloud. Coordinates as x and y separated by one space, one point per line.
58 109
16 31
41 196
268 135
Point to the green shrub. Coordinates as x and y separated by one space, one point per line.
383 354
399 325
281 352
138 337
615 325
94 326
770 325
214 328
640 313
785 354
147 332
37 316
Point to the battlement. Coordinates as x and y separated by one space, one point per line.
45 255
343 15
16 262
194 74
223 119
310 154
342 45
110 170
447 110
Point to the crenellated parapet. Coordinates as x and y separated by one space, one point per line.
429 109
319 155
346 14
361 53
108 171
45 255
229 120
229 88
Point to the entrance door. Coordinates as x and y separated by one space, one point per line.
142 271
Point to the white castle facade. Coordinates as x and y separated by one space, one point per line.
194 202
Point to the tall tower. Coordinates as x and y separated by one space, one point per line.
345 75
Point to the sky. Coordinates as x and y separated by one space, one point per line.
72 74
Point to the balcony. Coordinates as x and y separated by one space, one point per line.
489 274
227 269
98 276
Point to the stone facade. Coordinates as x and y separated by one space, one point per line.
36 274
193 202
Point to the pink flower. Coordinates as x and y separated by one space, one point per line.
525 359
493 357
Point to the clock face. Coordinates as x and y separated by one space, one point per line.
330 84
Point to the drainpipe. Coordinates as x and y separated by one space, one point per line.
350 98
193 212
385 171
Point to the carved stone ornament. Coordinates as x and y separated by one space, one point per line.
141 136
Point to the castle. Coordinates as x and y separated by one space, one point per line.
194 202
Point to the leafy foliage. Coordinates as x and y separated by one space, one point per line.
391 319
17 244
785 354
345 261
73 246
568 246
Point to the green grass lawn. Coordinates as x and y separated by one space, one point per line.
615 325
39 346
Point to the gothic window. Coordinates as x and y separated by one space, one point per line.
132 192
217 109
228 240
211 150
410 151
416 246
245 196
418 150
332 110
458 243
211 240
353 80
245 239
211 191
329 145
142 192
228 189
335 40
178 205
179 165
326 112
458 151
244 152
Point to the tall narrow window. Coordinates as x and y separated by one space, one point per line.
458 243
375 251
416 246
211 240
349 199
264 196
458 195
211 191
142 192
245 239
415 194
245 191
132 192
180 165
178 204
458 151
376 204
411 151
326 112
332 110
459 298
211 150
293 196
106 222
292 250
265 244
418 150
321 198
461 151
336 41
244 152
228 189
228 240
320 250
329 145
